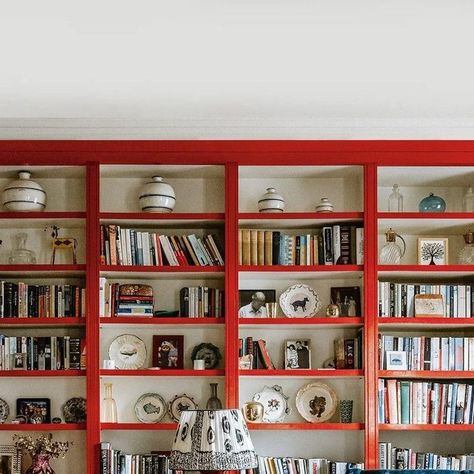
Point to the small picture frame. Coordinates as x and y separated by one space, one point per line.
35 410
10 460
298 354
168 352
396 360
246 362
347 298
432 251
253 303
429 306
18 362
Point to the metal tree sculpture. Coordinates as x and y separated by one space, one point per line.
431 251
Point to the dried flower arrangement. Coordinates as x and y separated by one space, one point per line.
43 445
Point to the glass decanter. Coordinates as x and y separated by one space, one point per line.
109 407
395 200
20 254
391 253
466 255
468 200
214 402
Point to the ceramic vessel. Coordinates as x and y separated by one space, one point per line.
466 255
432 203
391 253
253 412
40 465
23 194
214 402
157 196
324 206
271 201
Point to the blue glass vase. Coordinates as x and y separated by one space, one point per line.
432 203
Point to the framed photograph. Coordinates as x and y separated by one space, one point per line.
168 352
348 300
35 410
10 460
298 354
18 362
246 362
252 303
396 360
429 306
432 251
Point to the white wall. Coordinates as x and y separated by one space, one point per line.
241 68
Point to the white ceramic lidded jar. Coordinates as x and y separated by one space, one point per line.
271 201
157 196
324 206
23 194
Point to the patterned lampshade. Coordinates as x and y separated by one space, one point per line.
212 440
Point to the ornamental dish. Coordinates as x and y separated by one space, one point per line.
275 404
150 408
180 403
74 410
316 402
300 301
128 352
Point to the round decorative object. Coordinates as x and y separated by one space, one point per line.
23 194
180 403
209 353
4 411
150 408
324 205
157 196
300 301
432 203
128 351
275 404
271 201
74 410
253 412
56 420
333 310
316 402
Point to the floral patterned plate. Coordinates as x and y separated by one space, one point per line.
275 404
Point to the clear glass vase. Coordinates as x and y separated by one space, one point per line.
391 253
466 255
395 200
20 254
468 201
109 407
214 402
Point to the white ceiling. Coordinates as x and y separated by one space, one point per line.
191 68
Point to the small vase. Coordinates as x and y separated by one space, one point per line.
391 253
271 201
20 254
395 200
432 203
157 196
213 403
40 465
109 407
466 255
324 206
23 194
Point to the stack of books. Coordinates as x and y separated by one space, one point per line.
348 352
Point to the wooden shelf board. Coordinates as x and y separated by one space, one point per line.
421 322
390 427
138 426
114 321
43 427
41 322
162 373
43 373
330 373
316 321
306 426
427 374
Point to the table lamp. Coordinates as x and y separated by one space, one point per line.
212 440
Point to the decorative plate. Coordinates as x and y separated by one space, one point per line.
300 301
316 402
4 411
128 352
207 352
74 410
150 408
275 404
180 403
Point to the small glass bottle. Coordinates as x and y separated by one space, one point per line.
466 255
395 200
109 407
20 254
391 253
468 200
214 402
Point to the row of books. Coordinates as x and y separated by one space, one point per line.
428 353
21 300
201 302
257 350
338 244
289 465
114 461
348 352
391 457
133 247
426 402
398 299
41 353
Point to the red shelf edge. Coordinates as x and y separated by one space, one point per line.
44 215
43 373
43 321
300 268
162 373
38 267
161 268
306 426
300 215
427 374
427 427
310 321
425 268
156 216
43 427
138 320
138 426
441 321
302 372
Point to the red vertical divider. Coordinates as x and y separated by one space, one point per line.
370 315
231 285
92 316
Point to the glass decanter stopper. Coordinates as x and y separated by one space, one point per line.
468 200
109 407
391 253
214 403
466 255
20 254
395 200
